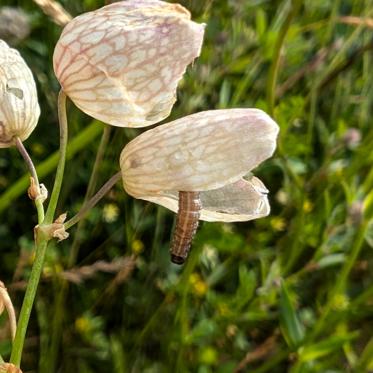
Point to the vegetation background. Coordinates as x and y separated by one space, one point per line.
292 292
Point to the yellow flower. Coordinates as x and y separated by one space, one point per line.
137 246
307 206
82 324
340 302
278 224
110 212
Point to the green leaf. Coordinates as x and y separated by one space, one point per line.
331 260
205 328
225 93
325 347
247 286
261 22
365 362
291 327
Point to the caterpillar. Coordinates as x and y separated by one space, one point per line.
186 225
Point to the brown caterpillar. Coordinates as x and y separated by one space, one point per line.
186 225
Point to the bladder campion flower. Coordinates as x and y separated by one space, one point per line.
19 107
121 64
199 165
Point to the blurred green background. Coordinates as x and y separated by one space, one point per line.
292 292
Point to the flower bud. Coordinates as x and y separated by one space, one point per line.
121 64
209 152
19 107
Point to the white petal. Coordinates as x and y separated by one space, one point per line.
130 52
19 107
199 152
241 201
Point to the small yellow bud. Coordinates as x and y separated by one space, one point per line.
307 206
110 212
82 324
137 246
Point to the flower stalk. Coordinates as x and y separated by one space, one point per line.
93 201
34 178
61 163
41 241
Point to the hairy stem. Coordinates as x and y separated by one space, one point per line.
93 201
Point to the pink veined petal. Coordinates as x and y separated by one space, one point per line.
241 201
199 152
121 64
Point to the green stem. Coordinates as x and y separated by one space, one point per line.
28 160
61 163
41 242
34 175
89 193
273 72
96 167
341 279
93 201
79 142
28 301
62 294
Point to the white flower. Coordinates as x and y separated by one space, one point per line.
19 107
209 152
121 64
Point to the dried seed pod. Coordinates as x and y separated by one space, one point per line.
121 64
211 153
19 107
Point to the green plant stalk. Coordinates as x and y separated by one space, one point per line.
93 201
273 72
60 300
341 279
28 302
96 166
41 241
90 191
61 163
46 167
34 175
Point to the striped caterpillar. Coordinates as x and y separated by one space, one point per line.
186 225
